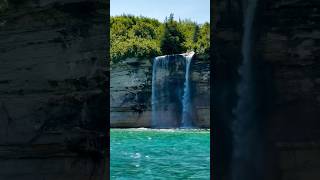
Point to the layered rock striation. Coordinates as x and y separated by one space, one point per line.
131 92
286 74
53 95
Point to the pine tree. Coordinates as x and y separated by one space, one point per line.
172 38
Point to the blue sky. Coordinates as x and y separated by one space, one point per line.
196 10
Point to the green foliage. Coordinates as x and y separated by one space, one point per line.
172 40
134 47
197 37
203 42
143 37
133 37
188 28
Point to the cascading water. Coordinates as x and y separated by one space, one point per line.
244 131
167 92
154 98
186 100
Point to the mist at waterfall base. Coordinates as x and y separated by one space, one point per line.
146 154
171 92
246 163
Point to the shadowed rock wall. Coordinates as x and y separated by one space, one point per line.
289 44
53 95
285 59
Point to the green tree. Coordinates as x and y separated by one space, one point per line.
142 37
172 40
203 42
133 36
143 30
190 31
196 34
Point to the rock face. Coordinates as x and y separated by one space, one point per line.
53 94
200 88
286 50
290 46
289 43
131 91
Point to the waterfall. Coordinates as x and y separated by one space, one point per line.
244 130
186 100
160 70
153 93
154 100
171 98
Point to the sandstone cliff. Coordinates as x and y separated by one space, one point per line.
288 42
130 92
53 93
286 69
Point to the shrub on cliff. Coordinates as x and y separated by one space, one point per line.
134 47
133 36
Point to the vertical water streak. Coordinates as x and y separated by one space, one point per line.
154 90
243 126
186 99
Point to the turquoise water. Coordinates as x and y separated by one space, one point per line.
159 154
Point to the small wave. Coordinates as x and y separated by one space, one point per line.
136 155
175 130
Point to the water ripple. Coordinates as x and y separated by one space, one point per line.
160 154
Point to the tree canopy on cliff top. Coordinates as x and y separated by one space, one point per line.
143 37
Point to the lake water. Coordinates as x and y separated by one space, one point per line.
159 154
